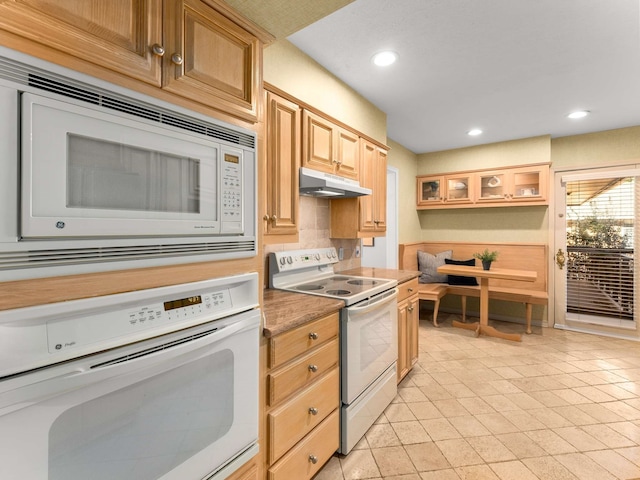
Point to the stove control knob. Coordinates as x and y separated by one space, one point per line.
317 256
283 260
289 260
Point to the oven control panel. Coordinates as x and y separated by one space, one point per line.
299 259
72 333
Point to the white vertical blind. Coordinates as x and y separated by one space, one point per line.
601 237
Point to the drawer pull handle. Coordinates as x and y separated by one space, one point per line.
313 336
410 290
313 459
313 368
313 410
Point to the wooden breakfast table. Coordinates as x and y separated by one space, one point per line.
484 276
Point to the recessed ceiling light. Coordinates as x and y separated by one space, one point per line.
579 114
384 59
474 132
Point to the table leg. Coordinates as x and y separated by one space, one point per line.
483 326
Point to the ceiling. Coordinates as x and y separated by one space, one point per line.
513 68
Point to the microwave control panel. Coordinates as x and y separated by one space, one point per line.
231 192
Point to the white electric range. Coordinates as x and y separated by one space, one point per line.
368 332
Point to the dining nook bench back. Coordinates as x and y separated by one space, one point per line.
516 256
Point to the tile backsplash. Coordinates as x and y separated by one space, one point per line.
314 233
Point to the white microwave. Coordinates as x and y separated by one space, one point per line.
102 178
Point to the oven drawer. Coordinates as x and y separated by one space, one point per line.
302 372
318 446
286 346
406 289
297 417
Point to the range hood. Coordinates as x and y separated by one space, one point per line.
320 184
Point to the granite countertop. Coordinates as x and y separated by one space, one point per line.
286 310
399 275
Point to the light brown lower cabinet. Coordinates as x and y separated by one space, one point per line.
302 399
408 322
307 458
249 471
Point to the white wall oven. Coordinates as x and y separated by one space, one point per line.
146 385
95 176
368 333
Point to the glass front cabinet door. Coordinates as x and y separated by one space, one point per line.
521 185
430 191
458 188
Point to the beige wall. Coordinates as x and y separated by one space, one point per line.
601 148
409 229
512 224
502 154
291 70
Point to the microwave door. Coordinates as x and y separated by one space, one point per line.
88 173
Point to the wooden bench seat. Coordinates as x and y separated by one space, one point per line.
521 256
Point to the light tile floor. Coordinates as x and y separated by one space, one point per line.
559 405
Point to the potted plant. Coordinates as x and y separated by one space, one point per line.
486 258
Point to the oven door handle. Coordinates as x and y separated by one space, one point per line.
174 352
378 301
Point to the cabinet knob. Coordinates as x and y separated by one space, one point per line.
410 308
313 336
177 59
157 49
266 218
313 410
274 218
313 459
410 290
313 368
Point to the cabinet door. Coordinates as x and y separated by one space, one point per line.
413 323
115 34
210 59
430 191
403 341
529 184
458 188
318 148
283 162
493 187
380 191
367 179
348 155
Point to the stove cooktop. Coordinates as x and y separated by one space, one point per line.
311 272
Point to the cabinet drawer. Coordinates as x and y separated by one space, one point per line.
406 289
319 445
294 419
302 372
286 346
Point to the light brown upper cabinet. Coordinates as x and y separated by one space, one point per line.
197 49
329 148
454 189
283 162
514 185
522 185
365 216
373 175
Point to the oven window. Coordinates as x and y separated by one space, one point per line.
144 431
375 338
115 176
